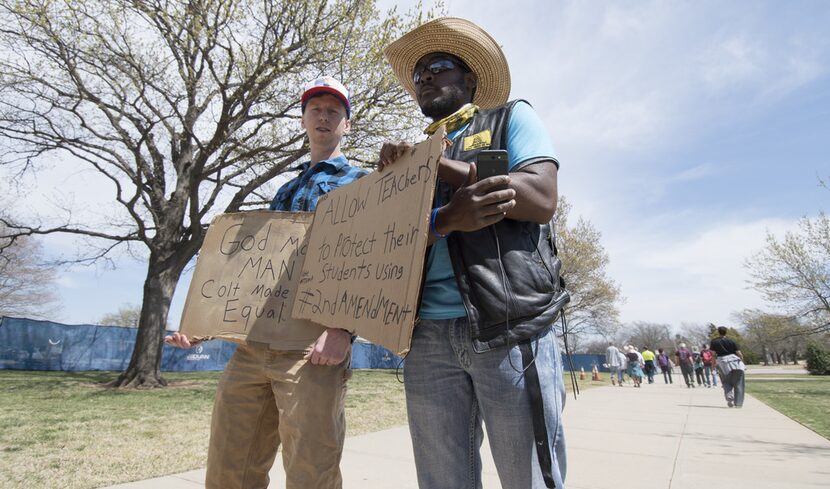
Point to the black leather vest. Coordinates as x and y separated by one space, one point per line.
507 273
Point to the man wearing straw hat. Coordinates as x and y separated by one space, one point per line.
483 349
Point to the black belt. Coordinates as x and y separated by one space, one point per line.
537 407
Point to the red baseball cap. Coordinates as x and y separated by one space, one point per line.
329 85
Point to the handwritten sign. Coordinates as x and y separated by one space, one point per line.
365 256
245 281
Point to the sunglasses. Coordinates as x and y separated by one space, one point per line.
437 66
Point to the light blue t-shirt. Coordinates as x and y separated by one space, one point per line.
526 139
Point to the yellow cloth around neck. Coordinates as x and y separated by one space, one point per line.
454 120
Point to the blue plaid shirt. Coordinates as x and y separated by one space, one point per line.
300 194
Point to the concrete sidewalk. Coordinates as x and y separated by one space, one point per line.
658 436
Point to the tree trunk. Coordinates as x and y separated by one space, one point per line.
144 370
766 356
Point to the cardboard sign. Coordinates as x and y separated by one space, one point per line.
246 278
366 251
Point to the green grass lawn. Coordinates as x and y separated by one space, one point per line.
63 429
587 383
804 398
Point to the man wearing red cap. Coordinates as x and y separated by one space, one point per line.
281 395
484 351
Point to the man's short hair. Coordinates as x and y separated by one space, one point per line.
722 330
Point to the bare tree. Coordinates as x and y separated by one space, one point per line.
695 334
127 315
774 337
794 272
594 296
25 281
187 108
594 346
653 335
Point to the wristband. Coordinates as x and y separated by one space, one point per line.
352 336
432 228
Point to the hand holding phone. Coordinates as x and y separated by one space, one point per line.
475 206
491 163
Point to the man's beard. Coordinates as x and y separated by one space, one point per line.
445 104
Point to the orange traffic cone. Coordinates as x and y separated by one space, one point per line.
581 373
595 374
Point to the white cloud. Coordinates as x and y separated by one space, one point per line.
60 182
66 281
762 65
620 23
609 120
691 174
672 273
657 187
802 65
730 62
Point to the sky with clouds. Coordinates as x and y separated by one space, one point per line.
686 132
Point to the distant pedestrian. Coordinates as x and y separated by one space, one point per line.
665 366
635 367
641 360
623 366
731 368
650 368
698 366
709 366
684 359
615 363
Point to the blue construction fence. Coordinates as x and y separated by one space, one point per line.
29 344
586 362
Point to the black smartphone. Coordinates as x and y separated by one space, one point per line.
491 162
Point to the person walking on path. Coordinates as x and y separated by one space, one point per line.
709 366
684 359
650 369
484 349
614 362
623 366
698 366
635 365
665 366
731 368
290 393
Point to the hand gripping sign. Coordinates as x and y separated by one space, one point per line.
365 257
245 281
275 279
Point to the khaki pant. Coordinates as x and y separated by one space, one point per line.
269 398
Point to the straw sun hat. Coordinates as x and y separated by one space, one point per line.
460 38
